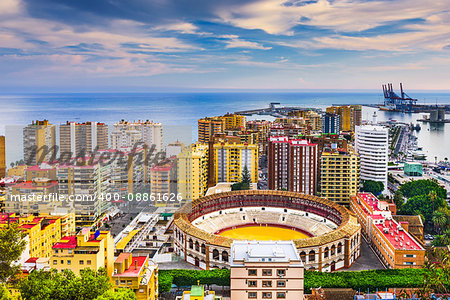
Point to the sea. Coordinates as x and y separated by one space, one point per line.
179 112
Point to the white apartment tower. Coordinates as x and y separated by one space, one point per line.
372 143
127 134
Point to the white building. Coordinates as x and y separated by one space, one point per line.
372 143
127 134
266 270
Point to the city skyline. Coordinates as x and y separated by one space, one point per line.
252 44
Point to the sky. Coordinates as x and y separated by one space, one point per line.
140 45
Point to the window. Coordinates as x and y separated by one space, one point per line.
62 261
81 262
281 283
69 261
56 251
88 262
267 295
267 283
225 256
281 295
141 290
267 272
55 262
70 251
252 283
252 295
216 254
281 272
312 256
122 282
129 282
252 272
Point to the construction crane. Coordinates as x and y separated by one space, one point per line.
394 102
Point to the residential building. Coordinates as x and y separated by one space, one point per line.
262 127
192 172
175 148
128 134
293 165
350 116
43 231
266 270
234 121
137 273
163 181
208 127
82 138
331 123
84 250
339 176
397 248
371 142
41 171
326 142
289 130
229 161
18 171
39 141
413 169
313 118
2 157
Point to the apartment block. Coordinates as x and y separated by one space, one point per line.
229 161
293 165
37 135
2 157
390 239
208 127
84 250
77 138
127 134
339 176
266 270
137 273
350 116
262 127
234 121
192 172
163 179
331 123
175 148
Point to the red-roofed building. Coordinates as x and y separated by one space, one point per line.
137 273
392 241
85 250
292 165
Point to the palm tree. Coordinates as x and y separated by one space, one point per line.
439 220
432 194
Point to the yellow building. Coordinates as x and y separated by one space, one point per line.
233 121
84 250
43 231
37 135
137 273
314 120
208 127
17 171
2 157
192 172
350 116
230 159
339 173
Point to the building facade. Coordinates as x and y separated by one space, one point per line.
2 157
37 136
231 159
174 149
192 172
234 121
350 116
163 180
266 270
137 273
390 239
339 176
372 142
128 134
293 165
331 123
77 138
208 127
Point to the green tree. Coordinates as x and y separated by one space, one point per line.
246 177
374 187
422 187
120 294
4 293
12 244
422 205
439 220
398 199
244 184
41 285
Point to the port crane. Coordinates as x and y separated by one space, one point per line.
394 102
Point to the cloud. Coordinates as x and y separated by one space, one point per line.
239 43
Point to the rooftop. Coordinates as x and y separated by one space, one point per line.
264 251
67 242
135 268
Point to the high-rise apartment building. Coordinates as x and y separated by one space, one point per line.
37 136
293 165
372 143
163 179
208 127
192 172
78 137
262 127
234 121
174 149
339 176
127 134
2 157
350 116
231 159
331 123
